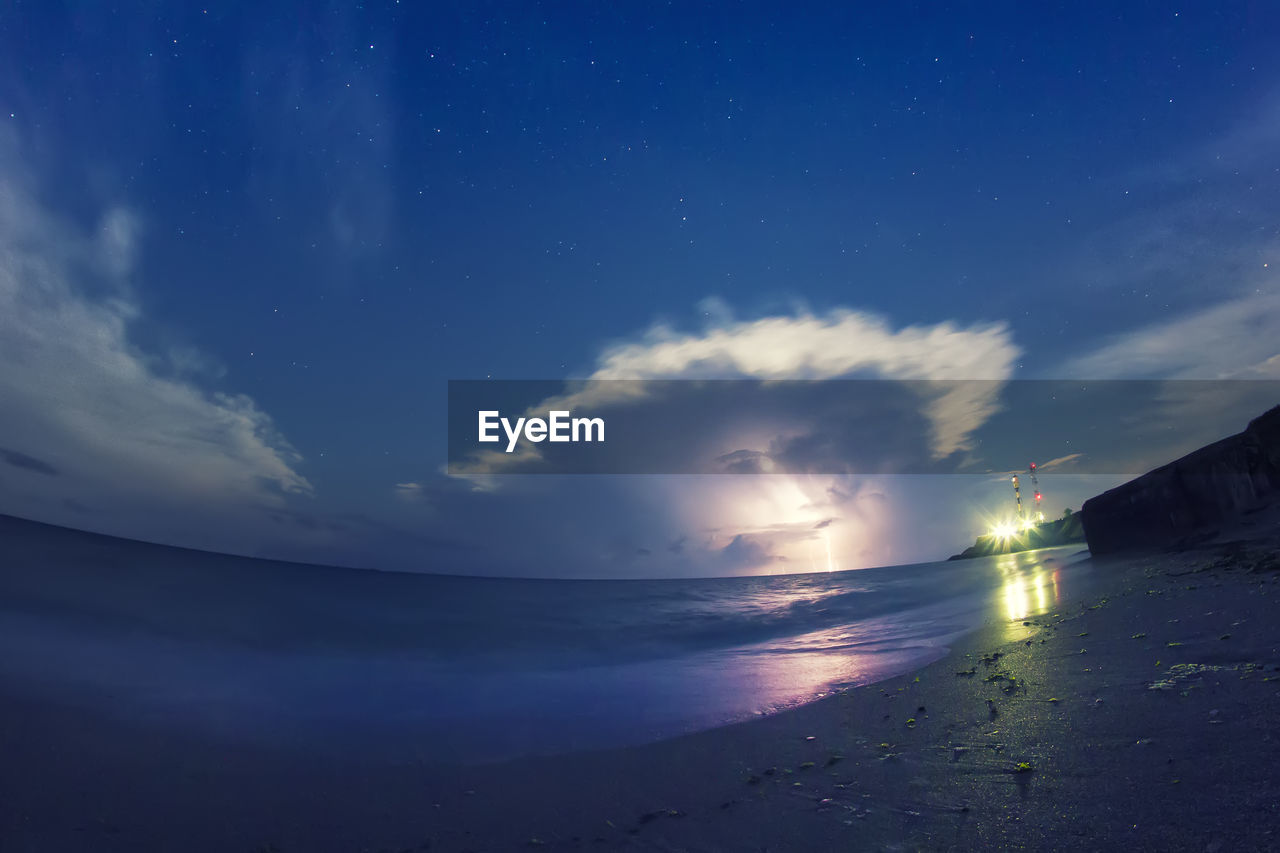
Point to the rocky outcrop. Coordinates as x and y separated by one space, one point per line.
1047 534
1211 485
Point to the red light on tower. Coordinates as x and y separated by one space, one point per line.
1035 482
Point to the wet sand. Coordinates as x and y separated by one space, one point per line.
1142 717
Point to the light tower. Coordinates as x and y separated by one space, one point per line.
1039 516
1017 498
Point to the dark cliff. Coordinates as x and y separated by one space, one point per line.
1210 485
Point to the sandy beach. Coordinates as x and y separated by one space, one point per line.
1140 717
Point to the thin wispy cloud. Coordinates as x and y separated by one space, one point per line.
1203 257
1235 339
353 206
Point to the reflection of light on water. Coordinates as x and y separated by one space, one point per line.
1028 590
785 671
1015 598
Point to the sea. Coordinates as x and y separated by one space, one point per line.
441 669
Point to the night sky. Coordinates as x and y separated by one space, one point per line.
243 248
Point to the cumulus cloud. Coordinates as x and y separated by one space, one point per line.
121 426
841 343
774 522
801 346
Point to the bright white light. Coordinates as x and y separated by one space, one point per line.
1004 530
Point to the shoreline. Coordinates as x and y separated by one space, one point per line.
919 761
365 699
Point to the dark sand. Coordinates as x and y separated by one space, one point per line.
1141 718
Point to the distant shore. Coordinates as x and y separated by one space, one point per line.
1139 718
1047 534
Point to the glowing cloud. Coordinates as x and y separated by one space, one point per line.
840 344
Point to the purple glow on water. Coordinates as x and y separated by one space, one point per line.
479 670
